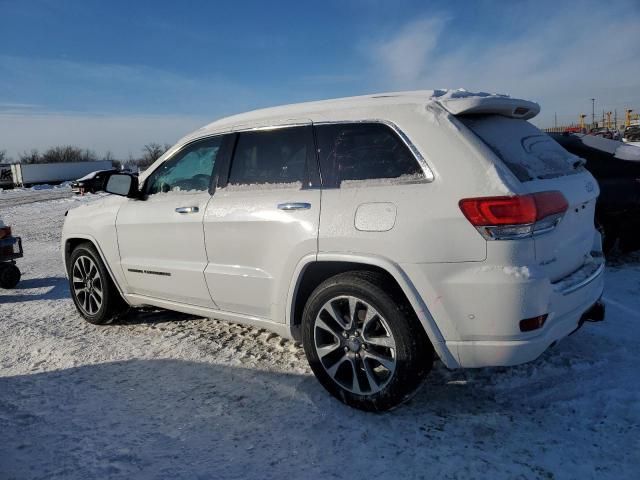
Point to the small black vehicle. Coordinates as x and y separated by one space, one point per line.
93 182
616 166
10 249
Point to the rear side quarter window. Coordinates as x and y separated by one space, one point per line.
355 154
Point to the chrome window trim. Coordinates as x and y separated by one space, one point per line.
429 176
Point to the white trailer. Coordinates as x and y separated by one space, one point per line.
25 175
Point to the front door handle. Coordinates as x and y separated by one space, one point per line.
294 206
187 210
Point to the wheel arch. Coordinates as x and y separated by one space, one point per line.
70 243
313 270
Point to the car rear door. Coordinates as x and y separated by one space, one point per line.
262 220
161 238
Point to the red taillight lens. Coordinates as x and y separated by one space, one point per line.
499 210
550 203
485 213
5 232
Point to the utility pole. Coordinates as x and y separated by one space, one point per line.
615 118
555 119
593 112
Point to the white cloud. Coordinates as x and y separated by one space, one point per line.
405 55
561 58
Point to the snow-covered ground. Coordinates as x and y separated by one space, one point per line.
165 395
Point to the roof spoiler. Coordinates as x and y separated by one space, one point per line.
489 104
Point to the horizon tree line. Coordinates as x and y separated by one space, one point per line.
70 153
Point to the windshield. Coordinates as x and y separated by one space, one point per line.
528 152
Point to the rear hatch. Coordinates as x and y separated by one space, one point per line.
541 165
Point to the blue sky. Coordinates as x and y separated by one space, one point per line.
114 75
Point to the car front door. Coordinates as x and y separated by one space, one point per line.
263 221
160 237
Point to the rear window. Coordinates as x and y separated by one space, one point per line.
529 153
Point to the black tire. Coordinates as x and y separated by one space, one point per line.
609 237
111 305
412 352
629 240
9 275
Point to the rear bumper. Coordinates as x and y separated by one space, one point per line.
479 309
516 352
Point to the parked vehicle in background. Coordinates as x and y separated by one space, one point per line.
381 231
616 166
601 132
92 182
27 175
10 250
631 135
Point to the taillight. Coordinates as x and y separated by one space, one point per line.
5 232
519 216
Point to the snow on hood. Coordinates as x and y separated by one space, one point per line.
89 176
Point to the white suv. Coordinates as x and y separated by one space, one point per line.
380 231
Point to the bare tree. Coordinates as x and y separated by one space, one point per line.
150 153
3 156
60 154
68 153
30 157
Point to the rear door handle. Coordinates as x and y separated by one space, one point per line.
187 210
294 206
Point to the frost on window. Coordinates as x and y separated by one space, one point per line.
270 157
525 150
190 170
362 154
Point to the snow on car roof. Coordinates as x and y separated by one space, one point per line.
456 101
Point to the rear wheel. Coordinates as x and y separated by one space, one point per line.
365 346
94 293
9 275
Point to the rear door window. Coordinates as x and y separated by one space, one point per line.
528 152
356 153
272 157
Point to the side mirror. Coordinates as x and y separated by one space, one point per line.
122 184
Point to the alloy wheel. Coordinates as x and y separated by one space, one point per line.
355 345
87 285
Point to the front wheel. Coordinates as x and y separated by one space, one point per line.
363 343
94 293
